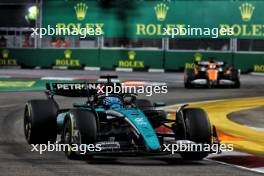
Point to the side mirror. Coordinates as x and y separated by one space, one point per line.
159 104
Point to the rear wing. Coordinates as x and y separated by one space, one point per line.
206 63
82 89
109 78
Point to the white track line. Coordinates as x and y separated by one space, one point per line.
258 170
7 106
58 78
234 153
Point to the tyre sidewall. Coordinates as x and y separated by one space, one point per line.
41 114
85 124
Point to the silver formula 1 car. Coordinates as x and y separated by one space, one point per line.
118 123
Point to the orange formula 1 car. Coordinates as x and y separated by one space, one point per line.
211 74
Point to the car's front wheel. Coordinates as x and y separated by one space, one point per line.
40 125
80 129
198 131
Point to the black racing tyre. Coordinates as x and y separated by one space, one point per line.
80 127
40 122
179 127
198 131
189 76
144 104
235 78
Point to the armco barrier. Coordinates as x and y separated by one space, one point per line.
136 59
114 58
249 62
53 57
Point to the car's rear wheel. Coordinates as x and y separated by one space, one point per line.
80 128
189 76
40 125
198 130
235 78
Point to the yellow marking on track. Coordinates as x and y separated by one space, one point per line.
250 140
17 83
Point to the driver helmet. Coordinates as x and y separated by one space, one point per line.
212 63
112 101
212 60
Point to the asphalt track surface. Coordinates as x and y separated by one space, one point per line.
17 159
245 117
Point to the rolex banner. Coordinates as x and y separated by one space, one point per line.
150 18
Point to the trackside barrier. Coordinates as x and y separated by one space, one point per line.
122 60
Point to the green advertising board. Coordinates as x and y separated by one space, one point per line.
111 59
6 59
150 18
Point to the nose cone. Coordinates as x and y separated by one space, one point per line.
142 125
